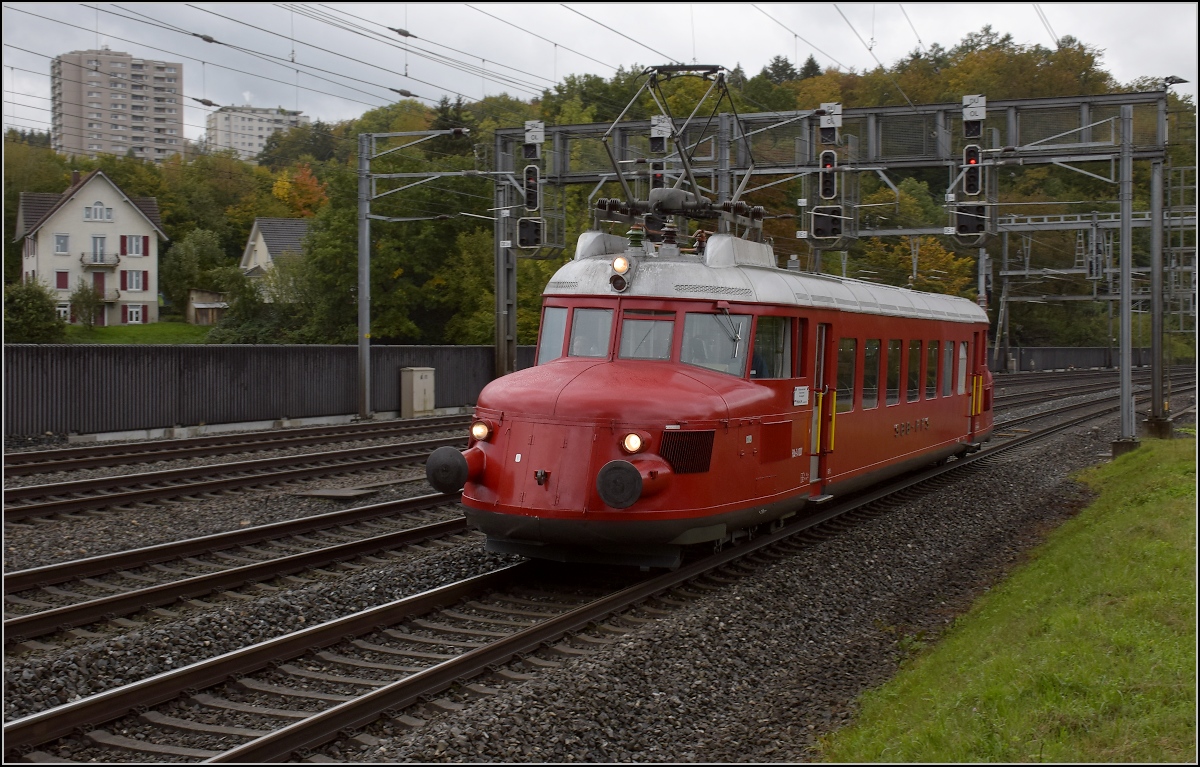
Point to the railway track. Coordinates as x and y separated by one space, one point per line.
38 603
77 593
1093 385
122 490
124 454
394 661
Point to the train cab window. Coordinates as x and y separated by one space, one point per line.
893 371
716 341
772 356
590 332
870 391
554 329
802 349
962 367
847 354
914 371
947 368
646 334
931 369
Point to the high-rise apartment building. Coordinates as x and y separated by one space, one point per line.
247 128
107 102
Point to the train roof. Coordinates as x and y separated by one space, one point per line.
738 270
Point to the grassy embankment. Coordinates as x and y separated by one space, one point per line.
1086 654
152 333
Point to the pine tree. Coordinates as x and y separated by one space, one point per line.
810 69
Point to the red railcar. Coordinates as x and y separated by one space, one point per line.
683 398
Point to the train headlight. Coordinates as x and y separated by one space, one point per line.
480 431
631 443
620 264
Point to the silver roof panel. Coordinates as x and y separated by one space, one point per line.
738 270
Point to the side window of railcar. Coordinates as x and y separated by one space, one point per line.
646 334
914 371
893 371
931 370
590 331
947 368
847 354
554 328
870 394
716 341
802 349
772 356
962 367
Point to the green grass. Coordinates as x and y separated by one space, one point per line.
152 333
1085 654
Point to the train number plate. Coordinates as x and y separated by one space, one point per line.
902 429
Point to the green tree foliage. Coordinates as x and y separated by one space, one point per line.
315 142
432 280
780 70
30 316
27 168
810 69
86 304
192 264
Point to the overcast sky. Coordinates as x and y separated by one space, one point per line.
537 46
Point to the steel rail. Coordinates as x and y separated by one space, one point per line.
401 453
1057 411
328 724
84 714
68 459
321 727
35 577
1042 395
38 624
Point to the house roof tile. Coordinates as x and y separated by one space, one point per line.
283 235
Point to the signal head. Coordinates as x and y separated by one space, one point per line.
533 189
828 175
972 183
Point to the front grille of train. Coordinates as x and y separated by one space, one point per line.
688 452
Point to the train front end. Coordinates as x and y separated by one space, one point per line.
577 460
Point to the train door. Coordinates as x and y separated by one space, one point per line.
780 439
981 385
822 408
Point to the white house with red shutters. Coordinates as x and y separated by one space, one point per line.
94 233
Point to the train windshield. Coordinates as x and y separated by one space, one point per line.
646 334
716 341
590 331
554 328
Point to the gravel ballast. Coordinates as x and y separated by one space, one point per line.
757 671
753 672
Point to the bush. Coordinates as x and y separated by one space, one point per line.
31 316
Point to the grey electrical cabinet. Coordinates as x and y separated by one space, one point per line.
416 392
